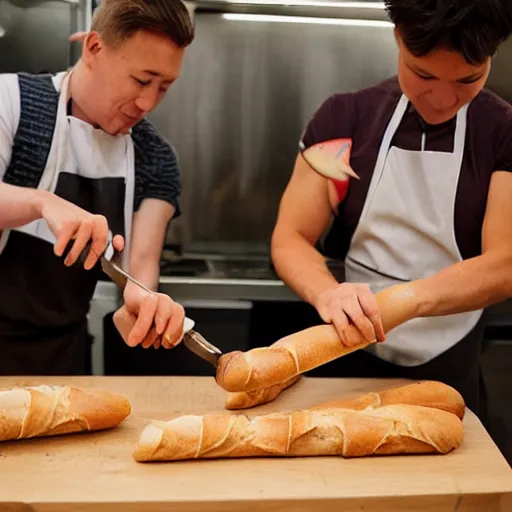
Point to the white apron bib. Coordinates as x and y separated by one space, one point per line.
406 232
78 147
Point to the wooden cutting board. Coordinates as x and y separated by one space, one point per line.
96 471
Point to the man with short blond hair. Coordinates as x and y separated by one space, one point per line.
83 135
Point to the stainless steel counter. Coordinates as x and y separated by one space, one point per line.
213 277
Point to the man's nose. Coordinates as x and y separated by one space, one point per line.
147 100
443 97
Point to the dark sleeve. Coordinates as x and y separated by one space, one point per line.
332 120
157 172
503 143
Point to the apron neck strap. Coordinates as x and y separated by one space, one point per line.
460 130
400 110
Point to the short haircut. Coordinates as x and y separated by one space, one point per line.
117 20
473 28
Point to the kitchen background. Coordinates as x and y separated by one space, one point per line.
251 80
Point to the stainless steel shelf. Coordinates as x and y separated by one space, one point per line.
193 288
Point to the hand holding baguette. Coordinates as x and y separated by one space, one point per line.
300 352
36 411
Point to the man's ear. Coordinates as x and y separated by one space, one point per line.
92 46
397 35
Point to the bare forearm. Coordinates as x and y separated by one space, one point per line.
147 272
19 205
149 229
301 267
466 286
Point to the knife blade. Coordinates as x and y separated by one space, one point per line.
197 344
192 339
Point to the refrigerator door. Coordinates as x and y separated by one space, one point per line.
34 34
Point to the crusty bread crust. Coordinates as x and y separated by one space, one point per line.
425 393
246 400
391 429
267 366
422 417
432 394
305 350
36 411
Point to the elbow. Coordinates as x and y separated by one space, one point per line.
282 244
285 243
500 264
505 282
282 236
277 244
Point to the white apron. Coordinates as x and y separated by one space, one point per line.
79 148
406 232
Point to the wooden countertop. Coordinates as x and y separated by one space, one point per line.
96 471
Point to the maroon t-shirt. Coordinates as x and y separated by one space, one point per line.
363 116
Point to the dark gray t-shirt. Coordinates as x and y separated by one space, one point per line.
363 116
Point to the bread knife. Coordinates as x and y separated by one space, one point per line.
194 341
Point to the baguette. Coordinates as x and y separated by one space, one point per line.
426 394
246 400
36 411
300 352
391 429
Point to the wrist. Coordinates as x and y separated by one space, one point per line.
397 304
315 293
405 300
38 200
423 298
133 294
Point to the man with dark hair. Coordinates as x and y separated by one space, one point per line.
474 29
82 134
432 206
